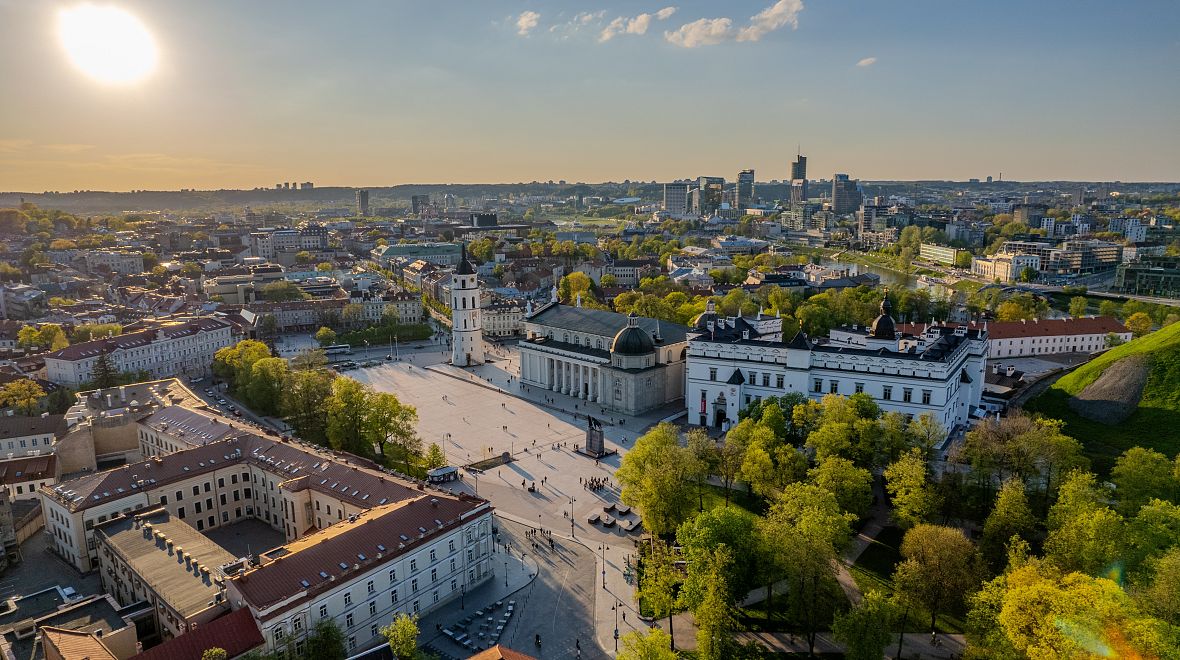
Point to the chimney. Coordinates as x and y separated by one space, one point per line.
109 404
995 369
1011 370
745 334
123 393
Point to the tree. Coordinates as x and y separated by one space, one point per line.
103 373
865 630
807 529
304 402
304 257
1113 339
703 453
914 500
1028 274
268 328
325 336
1141 474
352 315
281 291
1161 595
1038 611
656 479
1084 534
267 378
23 394
1078 305
607 280
326 641
389 421
732 453
214 653
191 270
1010 517
89 331
714 617
435 457
655 644
347 410
1109 308
852 486
402 635
731 527
1139 324
940 568
657 584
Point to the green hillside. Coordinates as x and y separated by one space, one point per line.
1154 423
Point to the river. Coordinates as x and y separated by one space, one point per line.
890 278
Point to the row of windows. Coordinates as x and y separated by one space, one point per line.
907 393
47 440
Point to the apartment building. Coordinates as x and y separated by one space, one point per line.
1046 336
114 261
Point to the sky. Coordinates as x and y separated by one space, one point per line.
386 92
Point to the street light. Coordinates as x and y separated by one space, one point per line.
603 548
616 609
505 572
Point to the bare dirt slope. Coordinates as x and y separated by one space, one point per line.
1114 395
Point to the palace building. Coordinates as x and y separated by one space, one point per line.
734 361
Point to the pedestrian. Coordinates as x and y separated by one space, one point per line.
624 616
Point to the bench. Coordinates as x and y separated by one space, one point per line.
594 517
608 522
609 507
624 510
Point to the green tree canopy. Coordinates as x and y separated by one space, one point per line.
656 478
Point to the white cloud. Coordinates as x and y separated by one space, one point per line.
868 61
701 32
710 31
783 12
526 22
637 25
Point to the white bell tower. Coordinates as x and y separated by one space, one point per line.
466 316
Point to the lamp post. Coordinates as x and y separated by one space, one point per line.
505 573
615 607
572 500
603 548
463 598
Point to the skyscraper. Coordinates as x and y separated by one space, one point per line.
676 198
799 179
846 196
418 203
362 203
745 189
710 188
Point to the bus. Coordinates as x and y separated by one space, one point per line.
338 349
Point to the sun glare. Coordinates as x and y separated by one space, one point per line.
107 43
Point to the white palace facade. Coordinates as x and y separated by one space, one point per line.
733 361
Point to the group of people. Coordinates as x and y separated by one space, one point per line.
543 535
594 483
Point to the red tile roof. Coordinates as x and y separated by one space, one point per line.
1095 325
28 468
235 632
498 652
88 349
374 537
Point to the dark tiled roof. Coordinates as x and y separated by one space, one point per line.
235 632
327 473
317 559
19 426
604 323
599 353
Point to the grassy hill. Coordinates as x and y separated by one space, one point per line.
1154 422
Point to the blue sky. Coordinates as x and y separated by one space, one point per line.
374 93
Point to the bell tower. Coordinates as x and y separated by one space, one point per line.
466 316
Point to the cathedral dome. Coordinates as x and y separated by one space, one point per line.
632 340
882 327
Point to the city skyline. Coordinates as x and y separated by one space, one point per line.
242 96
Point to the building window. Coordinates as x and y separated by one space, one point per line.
926 397
348 620
907 395
859 387
887 393
834 386
372 607
279 633
817 385
347 598
413 564
432 555
414 585
393 597
753 378
765 380
323 611
778 382
392 575
373 630
351 642
434 575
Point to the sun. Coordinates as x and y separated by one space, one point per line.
108 44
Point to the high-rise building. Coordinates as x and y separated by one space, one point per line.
846 196
676 198
710 188
418 203
362 203
799 179
745 189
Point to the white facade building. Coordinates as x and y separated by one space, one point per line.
1047 336
179 348
736 360
115 261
